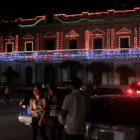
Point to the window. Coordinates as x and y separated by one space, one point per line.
97 43
49 44
9 47
124 42
73 44
28 46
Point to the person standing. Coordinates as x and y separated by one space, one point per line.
7 92
74 110
53 110
37 108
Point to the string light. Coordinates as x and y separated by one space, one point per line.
57 40
25 45
1 44
87 39
135 38
78 54
28 37
16 43
49 35
121 37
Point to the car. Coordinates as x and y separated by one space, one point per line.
133 89
112 117
64 85
103 91
25 115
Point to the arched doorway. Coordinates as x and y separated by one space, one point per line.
28 75
49 73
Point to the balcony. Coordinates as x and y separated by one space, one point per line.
80 55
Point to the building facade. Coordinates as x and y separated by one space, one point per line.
39 46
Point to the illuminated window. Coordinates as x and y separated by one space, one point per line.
124 43
9 47
73 44
49 44
72 40
97 43
29 46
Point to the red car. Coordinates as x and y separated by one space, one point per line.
134 89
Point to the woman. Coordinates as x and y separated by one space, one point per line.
37 108
53 107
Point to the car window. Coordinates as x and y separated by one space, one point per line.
116 110
104 91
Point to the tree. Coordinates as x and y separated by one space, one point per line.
73 67
97 68
125 72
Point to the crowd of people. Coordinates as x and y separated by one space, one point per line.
66 120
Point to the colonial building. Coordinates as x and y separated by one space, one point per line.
40 45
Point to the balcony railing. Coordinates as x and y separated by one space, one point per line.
80 54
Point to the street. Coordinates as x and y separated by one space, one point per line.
10 128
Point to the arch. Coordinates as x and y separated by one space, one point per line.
49 35
72 34
97 31
28 37
49 73
123 31
9 38
28 75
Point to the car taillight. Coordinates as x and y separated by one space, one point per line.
20 103
130 91
138 83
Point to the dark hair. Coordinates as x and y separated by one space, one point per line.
76 83
40 89
53 87
38 86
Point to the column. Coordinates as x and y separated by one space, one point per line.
61 40
16 43
1 44
108 38
37 42
57 40
112 38
86 39
41 42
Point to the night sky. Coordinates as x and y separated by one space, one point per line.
31 8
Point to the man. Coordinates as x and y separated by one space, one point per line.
74 110
6 91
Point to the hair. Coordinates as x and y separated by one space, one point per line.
40 89
38 86
53 87
76 83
